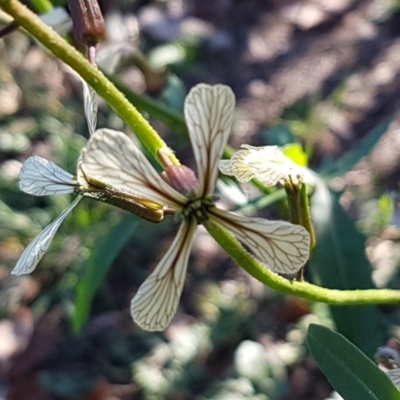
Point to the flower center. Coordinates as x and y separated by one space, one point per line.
198 209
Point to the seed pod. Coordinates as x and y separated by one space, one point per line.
88 21
144 208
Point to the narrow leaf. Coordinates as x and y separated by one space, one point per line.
363 148
156 109
353 375
97 267
339 262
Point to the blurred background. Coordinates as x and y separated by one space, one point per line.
323 77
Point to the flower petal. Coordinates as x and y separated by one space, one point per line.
267 163
283 246
35 251
111 158
90 103
157 299
225 166
208 114
41 177
394 375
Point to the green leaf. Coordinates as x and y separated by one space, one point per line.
279 135
42 6
353 375
386 207
174 93
339 262
97 267
173 119
351 158
296 153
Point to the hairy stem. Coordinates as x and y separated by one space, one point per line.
94 77
296 288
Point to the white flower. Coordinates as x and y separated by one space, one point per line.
268 164
41 177
111 157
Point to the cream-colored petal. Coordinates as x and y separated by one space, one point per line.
35 251
394 375
225 166
282 246
157 299
41 177
268 164
111 158
209 114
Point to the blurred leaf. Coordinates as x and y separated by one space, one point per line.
339 262
174 93
352 157
386 206
278 197
351 373
42 6
377 215
173 119
97 267
71 384
13 222
296 153
13 142
168 53
279 135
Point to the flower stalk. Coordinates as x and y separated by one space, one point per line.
299 210
93 76
303 289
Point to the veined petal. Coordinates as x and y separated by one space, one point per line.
283 246
157 299
209 114
225 166
35 251
267 163
111 158
394 375
41 177
90 103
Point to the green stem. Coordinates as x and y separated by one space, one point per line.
173 119
94 77
295 288
299 209
293 197
305 215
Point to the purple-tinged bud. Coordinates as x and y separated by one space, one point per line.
88 21
180 177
